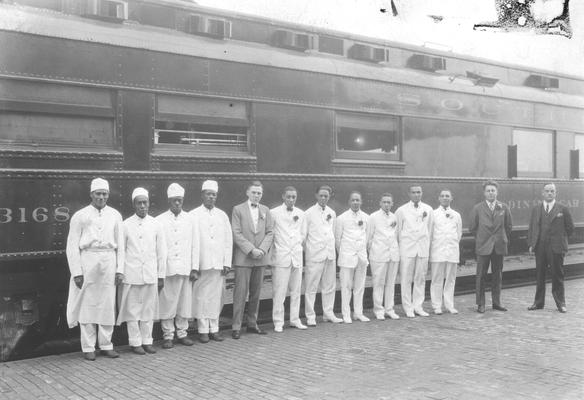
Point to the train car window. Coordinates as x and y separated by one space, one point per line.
534 152
200 125
579 145
365 136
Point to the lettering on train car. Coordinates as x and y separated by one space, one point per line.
23 215
518 204
451 104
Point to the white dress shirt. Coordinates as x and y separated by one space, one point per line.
145 250
446 234
255 214
413 226
182 241
215 238
320 238
289 232
549 206
351 238
382 237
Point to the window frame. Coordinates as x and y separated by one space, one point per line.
552 153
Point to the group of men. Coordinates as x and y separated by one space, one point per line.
172 268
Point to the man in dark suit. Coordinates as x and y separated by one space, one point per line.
549 228
253 235
490 222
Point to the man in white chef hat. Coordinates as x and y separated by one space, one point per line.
182 264
144 270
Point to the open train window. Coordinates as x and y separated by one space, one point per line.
579 145
195 125
535 152
365 136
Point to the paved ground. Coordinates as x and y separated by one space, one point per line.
513 355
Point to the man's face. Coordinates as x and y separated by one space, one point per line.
386 203
99 198
415 194
322 197
490 193
254 194
176 204
289 198
445 198
141 204
355 202
209 198
549 192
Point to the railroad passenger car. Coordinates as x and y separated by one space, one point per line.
145 92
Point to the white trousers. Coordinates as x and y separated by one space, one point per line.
324 275
442 286
88 337
352 282
383 274
284 279
182 324
413 270
139 333
207 325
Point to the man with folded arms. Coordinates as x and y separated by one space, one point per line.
383 257
95 253
182 263
145 270
216 249
286 264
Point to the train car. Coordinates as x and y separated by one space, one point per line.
145 92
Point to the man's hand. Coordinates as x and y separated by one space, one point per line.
160 283
257 254
194 275
226 270
119 278
78 281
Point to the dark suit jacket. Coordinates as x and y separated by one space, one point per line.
246 239
561 227
491 229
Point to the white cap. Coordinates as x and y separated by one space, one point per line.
175 190
99 184
210 185
139 192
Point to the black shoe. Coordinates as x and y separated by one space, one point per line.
203 337
562 309
167 344
499 308
148 348
110 353
481 309
534 307
256 330
138 350
216 337
236 334
185 341
89 355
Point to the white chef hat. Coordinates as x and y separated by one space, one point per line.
175 190
139 192
99 184
210 185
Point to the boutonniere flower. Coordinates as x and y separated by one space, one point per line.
447 215
498 207
295 218
262 216
360 223
393 224
424 215
559 215
329 217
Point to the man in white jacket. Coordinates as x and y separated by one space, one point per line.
414 221
351 242
144 270
289 233
215 252
182 264
444 253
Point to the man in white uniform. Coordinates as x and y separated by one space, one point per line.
444 253
414 220
320 258
182 264
383 257
216 250
351 242
145 270
289 232
95 253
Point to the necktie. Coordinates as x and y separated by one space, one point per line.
547 208
254 205
415 205
492 205
289 209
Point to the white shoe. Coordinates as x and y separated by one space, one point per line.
362 318
298 325
453 311
410 314
311 322
332 318
391 314
347 320
421 313
380 316
278 329
437 311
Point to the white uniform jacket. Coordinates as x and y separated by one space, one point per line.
145 250
351 238
215 238
446 234
181 234
320 235
414 226
382 237
289 232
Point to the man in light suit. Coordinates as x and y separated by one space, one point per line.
549 228
253 235
490 222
